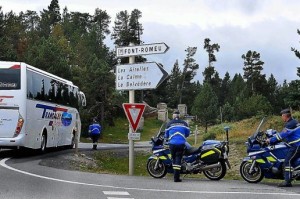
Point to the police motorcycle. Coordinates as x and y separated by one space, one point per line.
266 161
211 158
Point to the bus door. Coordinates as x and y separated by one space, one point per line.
65 127
53 139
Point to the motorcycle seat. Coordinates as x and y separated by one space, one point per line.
192 150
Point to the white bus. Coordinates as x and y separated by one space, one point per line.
37 109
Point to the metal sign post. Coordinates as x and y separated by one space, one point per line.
134 112
131 142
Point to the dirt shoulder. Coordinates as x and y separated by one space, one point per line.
70 161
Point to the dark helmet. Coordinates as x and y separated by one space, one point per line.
176 114
286 111
176 111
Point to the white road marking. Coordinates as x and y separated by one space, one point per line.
2 163
122 193
118 198
117 193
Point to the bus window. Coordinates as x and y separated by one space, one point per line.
10 78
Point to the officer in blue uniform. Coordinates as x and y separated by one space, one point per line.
291 136
176 133
94 131
290 122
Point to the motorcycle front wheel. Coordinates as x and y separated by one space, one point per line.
156 168
252 177
216 173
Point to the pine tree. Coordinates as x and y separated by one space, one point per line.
173 85
253 67
205 106
272 94
100 23
224 90
211 76
188 73
49 18
210 49
297 53
11 33
127 28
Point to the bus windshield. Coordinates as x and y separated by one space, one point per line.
10 78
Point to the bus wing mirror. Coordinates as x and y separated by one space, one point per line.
83 99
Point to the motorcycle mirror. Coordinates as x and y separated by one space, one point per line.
226 128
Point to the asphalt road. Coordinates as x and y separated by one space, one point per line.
23 177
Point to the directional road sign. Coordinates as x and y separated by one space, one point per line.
146 49
139 76
134 112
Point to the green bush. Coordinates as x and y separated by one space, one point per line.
209 135
296 115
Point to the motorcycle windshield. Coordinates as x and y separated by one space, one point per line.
162 129
260 127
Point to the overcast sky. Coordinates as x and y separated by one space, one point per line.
266 26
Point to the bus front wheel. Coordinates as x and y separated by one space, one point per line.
43 142
71 146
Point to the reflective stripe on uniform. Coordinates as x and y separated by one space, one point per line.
177 133
176 167
288 169
295 141
278 137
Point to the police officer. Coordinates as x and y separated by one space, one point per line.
291 136
94 131
176 132
290 122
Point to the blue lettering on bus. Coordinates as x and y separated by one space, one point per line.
65 117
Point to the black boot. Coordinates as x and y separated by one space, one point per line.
285 184
287 180
177 176
177 180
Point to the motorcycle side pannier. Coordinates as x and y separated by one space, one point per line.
210 155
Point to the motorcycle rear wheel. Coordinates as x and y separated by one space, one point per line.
216 173
158 172
254 177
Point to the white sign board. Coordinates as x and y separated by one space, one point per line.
139 76
134 136
145 49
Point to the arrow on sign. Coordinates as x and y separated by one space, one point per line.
139 76
134 113
146 49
